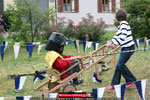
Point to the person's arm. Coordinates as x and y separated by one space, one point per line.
121 35
61 64
67 56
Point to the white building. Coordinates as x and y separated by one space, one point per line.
76 9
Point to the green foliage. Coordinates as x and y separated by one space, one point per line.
94 30
139 17
27 21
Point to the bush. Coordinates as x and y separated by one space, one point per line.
94 30
139 17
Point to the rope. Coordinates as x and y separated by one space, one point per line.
112 53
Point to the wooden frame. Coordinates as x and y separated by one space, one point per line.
62 83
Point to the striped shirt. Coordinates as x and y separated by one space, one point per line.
123 36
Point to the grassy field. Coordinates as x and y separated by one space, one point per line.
139 64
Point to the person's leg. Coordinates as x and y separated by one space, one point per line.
117 75
122 69
129 77
76 80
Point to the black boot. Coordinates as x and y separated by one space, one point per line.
78 81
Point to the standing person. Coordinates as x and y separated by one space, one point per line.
123 37
59 62
3 25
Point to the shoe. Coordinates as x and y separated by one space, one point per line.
110 88
77 82
129 85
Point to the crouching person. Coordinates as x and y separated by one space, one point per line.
55 59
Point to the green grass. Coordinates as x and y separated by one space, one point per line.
138 64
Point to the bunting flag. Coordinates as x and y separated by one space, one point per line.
52 95
95 45
75 44
141 85
27 45
23 98
19 82
16 49
95 79
40 47
137 43
39 76
5 43
120 90
30 49
36 43
147 42
1 98
2 51
87 45
141 40
68 42
98 93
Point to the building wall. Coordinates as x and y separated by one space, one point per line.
90 6
6 2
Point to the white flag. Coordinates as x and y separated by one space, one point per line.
16 50
40 47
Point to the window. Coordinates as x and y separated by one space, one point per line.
106 5
68 5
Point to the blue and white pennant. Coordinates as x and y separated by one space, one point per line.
39 76
95 79
98 92
141 85
23 98
19 82
120 90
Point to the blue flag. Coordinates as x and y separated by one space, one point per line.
2 51
30 49
27 45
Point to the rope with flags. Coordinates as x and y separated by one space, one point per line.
111 53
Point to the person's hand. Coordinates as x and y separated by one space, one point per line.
108 45
113 46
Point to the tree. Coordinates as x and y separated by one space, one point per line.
26 19
139 17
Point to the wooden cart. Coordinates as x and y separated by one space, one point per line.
65 82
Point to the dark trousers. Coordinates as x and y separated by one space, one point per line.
122 69
75 69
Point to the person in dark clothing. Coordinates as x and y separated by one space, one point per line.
4 27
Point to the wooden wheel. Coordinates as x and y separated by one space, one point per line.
69 88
